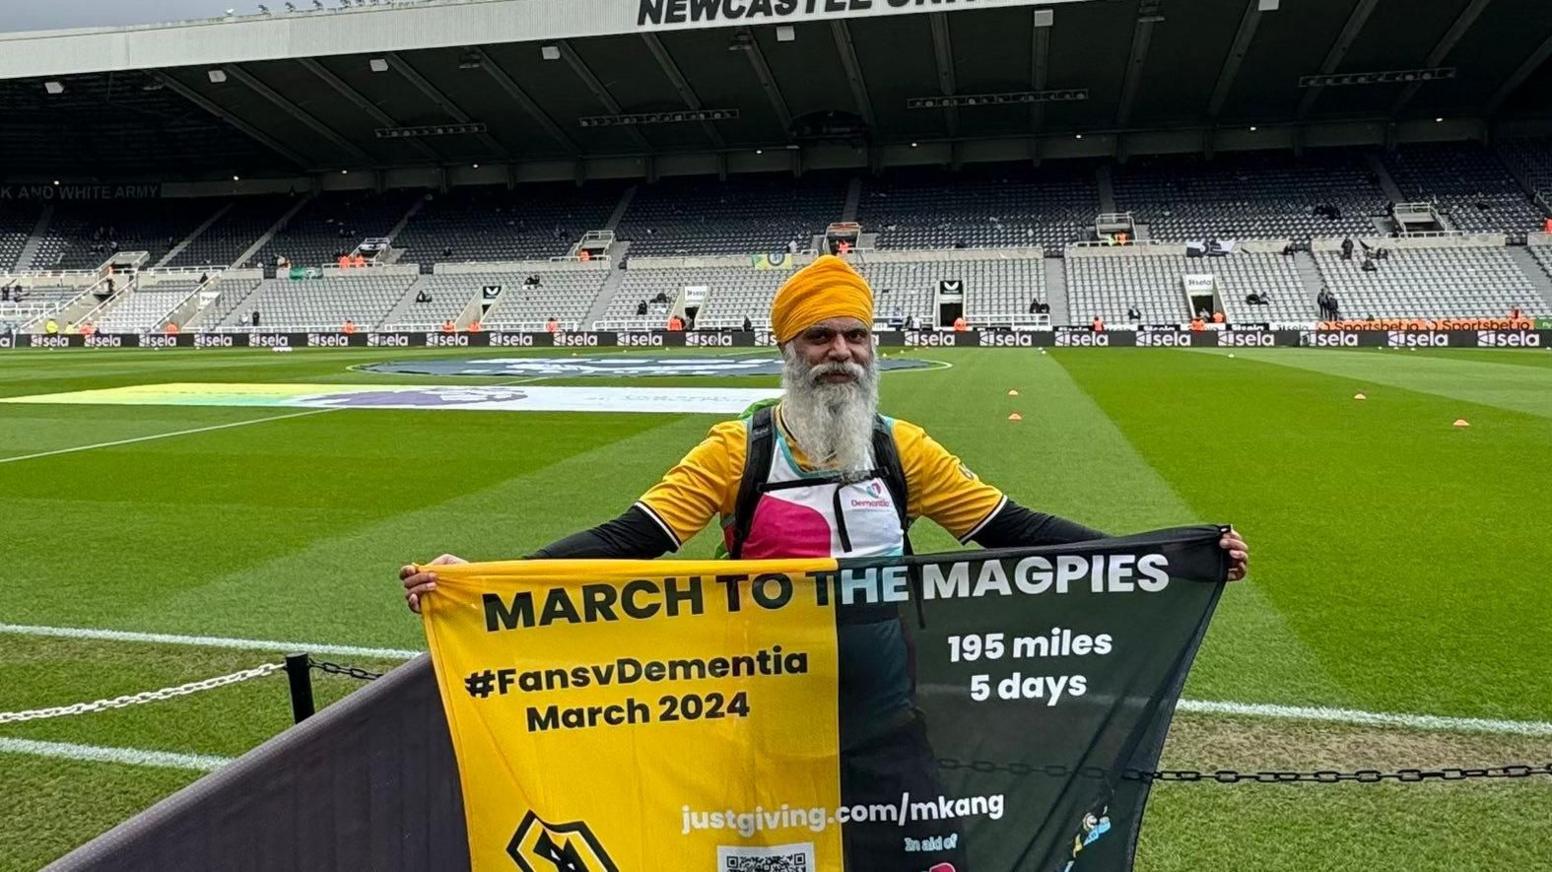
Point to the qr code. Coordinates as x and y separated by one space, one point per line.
776 858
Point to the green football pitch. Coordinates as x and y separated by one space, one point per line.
1397 563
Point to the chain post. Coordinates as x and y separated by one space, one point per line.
301 686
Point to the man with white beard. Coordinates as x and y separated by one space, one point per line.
822 474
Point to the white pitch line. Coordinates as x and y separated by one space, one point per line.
1430 723
208 641
104 754
154 436
1356 717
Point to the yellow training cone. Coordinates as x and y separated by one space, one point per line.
1013 393
1359 396
1462 422
1015 417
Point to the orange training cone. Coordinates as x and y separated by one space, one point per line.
1015 417
1462 422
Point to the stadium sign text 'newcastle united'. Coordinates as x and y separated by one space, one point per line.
660 13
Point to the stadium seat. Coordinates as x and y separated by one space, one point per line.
1255 195
995 206
1441 282
496 224
742 215
1468 183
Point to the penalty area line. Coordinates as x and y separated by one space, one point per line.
106 754
155 436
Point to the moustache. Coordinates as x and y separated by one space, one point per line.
819 371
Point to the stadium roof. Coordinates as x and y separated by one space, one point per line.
515 81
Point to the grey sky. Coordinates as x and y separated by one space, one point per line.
55 14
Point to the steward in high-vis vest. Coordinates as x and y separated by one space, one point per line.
823 474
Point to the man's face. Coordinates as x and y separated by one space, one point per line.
835 340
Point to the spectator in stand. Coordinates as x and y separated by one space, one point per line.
254 317
1097 325
87 329
1336 310
5 294
792 244
170 328
348 328
51 327
1132 314
552 325
1198 325
960 324
1034 307
204 277
749 325
475 326
449 327
422 297
1217 317
1347 249
641 308
675 323
1369 265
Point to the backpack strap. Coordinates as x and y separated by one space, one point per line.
760 444
886 459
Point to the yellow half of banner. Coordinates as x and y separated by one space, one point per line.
640 715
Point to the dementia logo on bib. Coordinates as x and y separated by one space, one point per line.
976 711
617 366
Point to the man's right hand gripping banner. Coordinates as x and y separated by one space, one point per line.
984 711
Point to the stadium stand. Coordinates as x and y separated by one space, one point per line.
1533 157
1437 282
231 291
41 297
563 294
1261 195
231 235
145 307
1469 183
1108 284
322 304
83 235
993 206
335 223
449 296
742 215
733 293
496 224
906 288
1543 256
16 224
996 289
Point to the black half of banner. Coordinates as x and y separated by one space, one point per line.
987 722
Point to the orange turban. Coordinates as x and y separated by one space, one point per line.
826 288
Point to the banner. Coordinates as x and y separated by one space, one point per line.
951 289
968 712
771 260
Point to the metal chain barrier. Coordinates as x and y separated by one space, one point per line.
1234 776
1331 776
355 672
144 696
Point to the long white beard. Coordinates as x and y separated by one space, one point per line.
832 423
